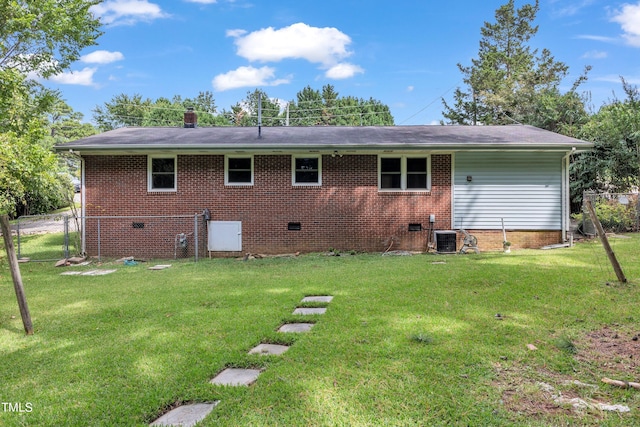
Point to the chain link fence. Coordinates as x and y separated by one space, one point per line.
46 237
165 237
617 212
55 237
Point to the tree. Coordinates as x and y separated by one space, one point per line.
245 112
510 82
125 110
307 109
29 178
66 125
327 108
122 110
42 37
614 163
45 36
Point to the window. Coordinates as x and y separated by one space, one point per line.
405 173
307 170
162 174
238 170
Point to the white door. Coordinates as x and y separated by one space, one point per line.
225 236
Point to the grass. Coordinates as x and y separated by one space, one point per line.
405 341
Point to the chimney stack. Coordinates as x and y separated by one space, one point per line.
190 118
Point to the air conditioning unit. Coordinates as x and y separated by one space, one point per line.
445 241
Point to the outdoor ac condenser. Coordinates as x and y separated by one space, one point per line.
445 241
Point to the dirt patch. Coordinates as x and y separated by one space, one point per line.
540 393
612 350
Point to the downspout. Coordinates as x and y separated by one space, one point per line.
83 212
82 199
566 195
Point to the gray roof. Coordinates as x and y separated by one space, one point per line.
321 138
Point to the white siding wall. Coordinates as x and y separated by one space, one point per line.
524 188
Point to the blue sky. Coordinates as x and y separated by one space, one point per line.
402 53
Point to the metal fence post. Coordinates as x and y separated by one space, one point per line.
66 236
99 260
195 234
18 231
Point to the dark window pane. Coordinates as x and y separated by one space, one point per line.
162 181
307 164
390 165
390 180
307 177
240 163
417 180
417 164
162 165
240 176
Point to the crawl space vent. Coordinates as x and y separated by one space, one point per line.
445 242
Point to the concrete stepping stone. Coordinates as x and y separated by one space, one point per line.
87 273
268 349
318 298
306 310
186 416
296 327
98 272
236 377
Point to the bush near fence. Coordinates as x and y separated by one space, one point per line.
617 212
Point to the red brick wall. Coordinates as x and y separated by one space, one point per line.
347 212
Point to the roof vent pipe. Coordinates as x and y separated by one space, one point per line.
190 118
259 115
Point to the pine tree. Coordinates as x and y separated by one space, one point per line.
506 80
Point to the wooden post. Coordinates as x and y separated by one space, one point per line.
605 242
15 273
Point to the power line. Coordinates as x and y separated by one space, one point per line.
431 103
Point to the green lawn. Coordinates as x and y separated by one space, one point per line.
406 341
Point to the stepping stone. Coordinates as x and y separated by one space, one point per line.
266 349
296 327
236 377
160 267
97 272
305 310
185 416
318 298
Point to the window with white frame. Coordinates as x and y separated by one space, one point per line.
307 170
404 173
238 170
162 173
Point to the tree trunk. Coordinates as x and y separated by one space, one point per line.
15 273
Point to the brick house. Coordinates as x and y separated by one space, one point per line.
288 189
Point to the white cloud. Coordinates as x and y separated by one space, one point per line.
127 12
615 78
597 38
102 57
570 9
343 71
629 19
410 88
326 46
247 77
236 33
80 78
595 54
